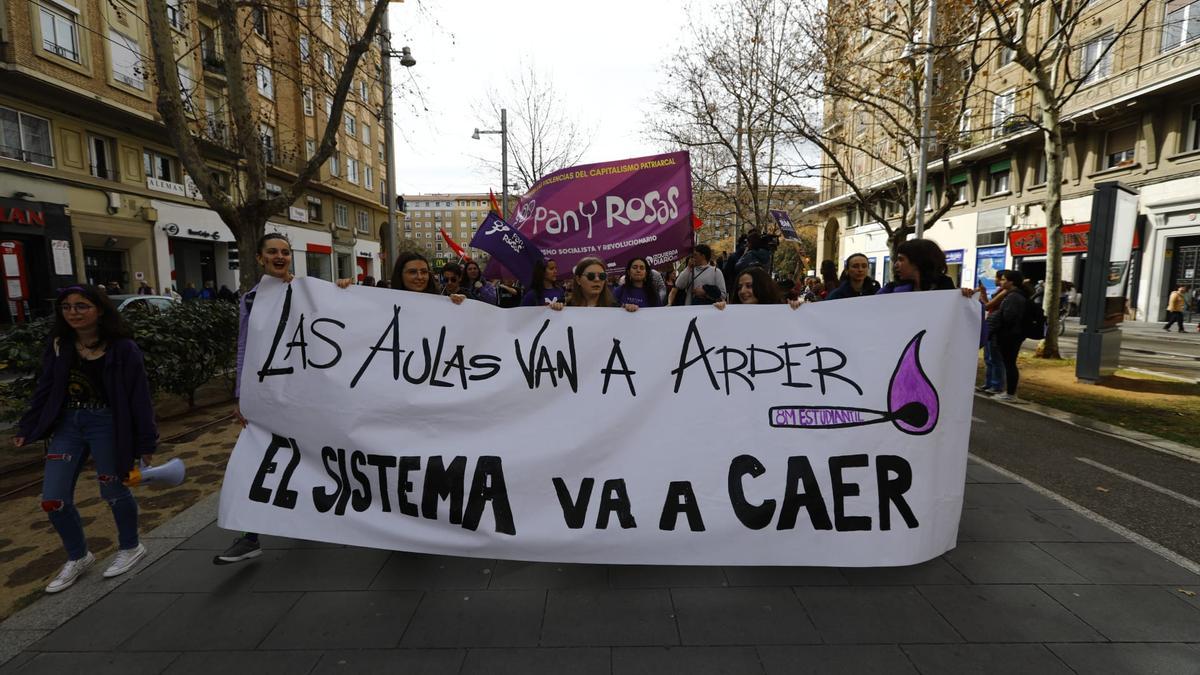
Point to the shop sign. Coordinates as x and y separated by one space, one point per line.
297 214
185 189
22 216
1033 241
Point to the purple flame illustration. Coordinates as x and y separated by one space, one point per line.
912 400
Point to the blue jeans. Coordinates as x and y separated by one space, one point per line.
78 433
993 373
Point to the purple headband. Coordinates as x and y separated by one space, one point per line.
64 292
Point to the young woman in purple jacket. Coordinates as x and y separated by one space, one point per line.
92 397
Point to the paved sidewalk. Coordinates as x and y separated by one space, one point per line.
1033 587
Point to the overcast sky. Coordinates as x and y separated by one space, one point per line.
603 58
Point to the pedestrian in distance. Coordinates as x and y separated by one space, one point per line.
1006 327
637 290
993 373
92 398
856 279
1176 303
543 288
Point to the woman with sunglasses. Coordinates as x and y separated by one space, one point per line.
638 289
590 287
92 398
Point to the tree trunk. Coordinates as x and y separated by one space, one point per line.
1053 148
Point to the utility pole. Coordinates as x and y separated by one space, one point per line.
389 139
504 160
923 161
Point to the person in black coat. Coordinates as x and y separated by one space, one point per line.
1007 330
856 280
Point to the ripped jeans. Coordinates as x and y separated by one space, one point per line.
80 432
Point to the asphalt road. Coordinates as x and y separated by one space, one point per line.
1147 347
1151 493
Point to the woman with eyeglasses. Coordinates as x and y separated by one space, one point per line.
544 288
589 287
92 398
638 289
413 274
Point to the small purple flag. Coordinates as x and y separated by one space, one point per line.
508 247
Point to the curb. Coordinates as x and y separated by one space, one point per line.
49 612
1148 441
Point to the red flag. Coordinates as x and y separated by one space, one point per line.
495 206
696 222
453 245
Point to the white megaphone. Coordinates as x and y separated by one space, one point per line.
169 474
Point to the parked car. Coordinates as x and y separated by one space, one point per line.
134 303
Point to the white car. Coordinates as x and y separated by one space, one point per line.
155 303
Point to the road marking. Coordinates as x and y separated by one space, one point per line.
1144 483
976 419
1120 529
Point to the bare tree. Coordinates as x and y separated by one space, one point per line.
543 136
243 202
723 105
1043 37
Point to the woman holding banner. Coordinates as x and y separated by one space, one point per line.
274 256
920 266
543 288
92 398
412 274
638 289
755 287
590 287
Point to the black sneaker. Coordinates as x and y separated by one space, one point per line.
243 548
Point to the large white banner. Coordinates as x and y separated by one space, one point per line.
835 434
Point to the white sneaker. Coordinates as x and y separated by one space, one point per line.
1004 397
70 572
124 561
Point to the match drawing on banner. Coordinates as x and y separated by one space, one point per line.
402 421
912 402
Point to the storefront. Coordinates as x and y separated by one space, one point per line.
312 250
36 257
1172 254
366 258
195 248
1028 249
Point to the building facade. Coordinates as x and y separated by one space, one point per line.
82 143
1135 119
459 213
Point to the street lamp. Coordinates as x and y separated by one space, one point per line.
389 140
503 156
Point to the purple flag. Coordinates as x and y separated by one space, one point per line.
620 210
785 225
508 247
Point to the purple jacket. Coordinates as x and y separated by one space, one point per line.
135 432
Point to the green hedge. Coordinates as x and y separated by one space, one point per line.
185 347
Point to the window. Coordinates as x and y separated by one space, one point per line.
310 149
341 216
1119 147
328 106
368 177
60 35
961 184
258 16
266 134
214 120
1007 55
1039 171
1182 23
175 14
266 81
159 166
344 31
305 49
314 209
1192 142
363 91
187 84
352 170
351 125
327 12
998 177
1095 59
335 163
964 126
1002 110
362 221
308 102
126 53
100 156
366 134
327 62
25 137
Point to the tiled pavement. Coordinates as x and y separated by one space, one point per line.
1032 587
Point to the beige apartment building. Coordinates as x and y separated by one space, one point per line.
460 214
90 187
1136 120
716 209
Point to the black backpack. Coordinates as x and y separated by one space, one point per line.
1033 327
